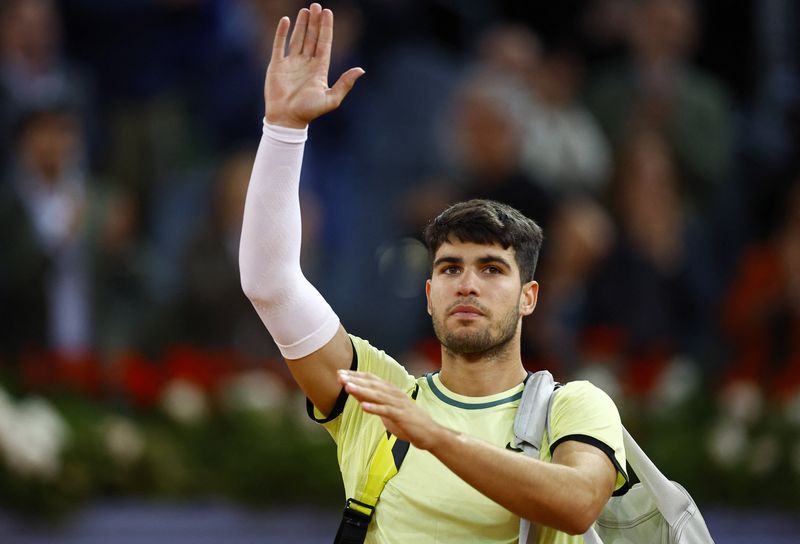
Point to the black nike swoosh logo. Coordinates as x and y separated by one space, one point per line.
512 448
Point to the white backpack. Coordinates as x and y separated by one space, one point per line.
655 511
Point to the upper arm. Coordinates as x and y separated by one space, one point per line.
316 373
583 414
595 468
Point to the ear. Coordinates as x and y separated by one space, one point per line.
428 295
528 298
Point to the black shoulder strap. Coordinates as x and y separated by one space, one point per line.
386 460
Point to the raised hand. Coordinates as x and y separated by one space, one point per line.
296 88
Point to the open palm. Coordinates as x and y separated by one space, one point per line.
296 88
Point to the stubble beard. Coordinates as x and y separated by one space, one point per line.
482 342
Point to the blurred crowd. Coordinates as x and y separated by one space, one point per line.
656 141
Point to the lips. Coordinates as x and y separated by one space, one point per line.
465 310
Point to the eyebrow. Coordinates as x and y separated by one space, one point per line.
449 260
482 260
494 259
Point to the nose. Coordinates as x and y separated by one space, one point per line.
467 284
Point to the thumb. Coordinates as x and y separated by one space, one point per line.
344 84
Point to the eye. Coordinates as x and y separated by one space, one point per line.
492 269
451 269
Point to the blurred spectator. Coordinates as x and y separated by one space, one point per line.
651 298
488 137
761 311
212 311
604 25
33 69
563 146
775 119
511 49
170 102
580 237
121 268
51 216
771 135
149 59
46 278
658 86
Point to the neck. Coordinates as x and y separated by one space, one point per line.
482 374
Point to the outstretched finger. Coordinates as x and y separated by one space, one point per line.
365 393
325 41
312 31
377 409
374 384
347 376
279 44
299 32
343 86
359 375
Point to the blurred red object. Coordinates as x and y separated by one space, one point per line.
602 342
643 372
762 322
787 383
141 380
50 371
202 367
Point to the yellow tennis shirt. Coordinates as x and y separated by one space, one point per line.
425 502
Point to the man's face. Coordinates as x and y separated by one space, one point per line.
50 143
476 298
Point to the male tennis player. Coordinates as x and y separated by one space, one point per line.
461 479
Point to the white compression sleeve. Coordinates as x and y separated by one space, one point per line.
298 318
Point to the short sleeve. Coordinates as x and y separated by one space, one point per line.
585 413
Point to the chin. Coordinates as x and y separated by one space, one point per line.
469 342
473 337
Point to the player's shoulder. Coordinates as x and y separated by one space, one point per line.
368 358
367 353
580 387
582 392
361 344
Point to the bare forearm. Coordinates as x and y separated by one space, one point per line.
552 494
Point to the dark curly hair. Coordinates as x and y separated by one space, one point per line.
488 222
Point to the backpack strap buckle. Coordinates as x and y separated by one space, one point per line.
358 507
355 522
